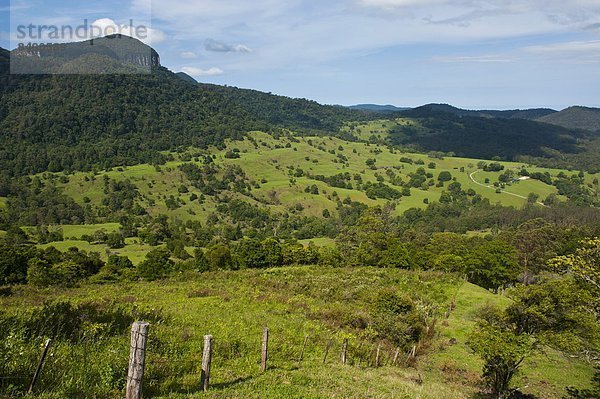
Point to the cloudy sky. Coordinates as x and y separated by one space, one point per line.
470 53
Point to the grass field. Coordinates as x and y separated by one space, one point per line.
294 302
313 155
271 162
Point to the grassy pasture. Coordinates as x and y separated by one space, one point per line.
294 302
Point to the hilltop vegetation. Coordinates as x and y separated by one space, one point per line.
82 122
575 118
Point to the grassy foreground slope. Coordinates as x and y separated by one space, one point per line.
322 303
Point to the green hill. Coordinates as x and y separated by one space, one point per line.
327 305
478 137
531 114
84 122
575 118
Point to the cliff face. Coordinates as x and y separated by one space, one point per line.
116 48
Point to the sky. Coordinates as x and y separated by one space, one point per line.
496 54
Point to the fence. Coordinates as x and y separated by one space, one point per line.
273 350
262 348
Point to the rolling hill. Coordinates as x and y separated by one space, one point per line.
474 136
378 108
575 118
529 114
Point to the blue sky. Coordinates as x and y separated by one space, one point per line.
469 53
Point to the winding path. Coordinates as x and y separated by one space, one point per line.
494 188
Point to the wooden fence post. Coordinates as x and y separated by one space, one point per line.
344 350
137 359
206 360
38 370
359 355
327 350
377 356
302 351
396 356
265 350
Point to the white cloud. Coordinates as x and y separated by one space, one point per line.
188 55
475 58
146 34
569 52
220 47
193 71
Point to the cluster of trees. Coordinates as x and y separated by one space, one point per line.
559 310
211 179
20 263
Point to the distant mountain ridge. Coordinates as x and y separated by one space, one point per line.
531 114
576 117
378 108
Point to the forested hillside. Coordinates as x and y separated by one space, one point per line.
575 118
80 122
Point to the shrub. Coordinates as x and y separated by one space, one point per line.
156 265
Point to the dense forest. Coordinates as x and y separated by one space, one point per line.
487 137
81 122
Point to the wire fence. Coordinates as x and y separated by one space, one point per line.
168 362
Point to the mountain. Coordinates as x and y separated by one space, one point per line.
81 122
575 118
530 114
84 122
378 108
111 54
485 137
304 116
185 77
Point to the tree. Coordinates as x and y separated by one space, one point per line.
502 352
558 311
115 268
248 254
492 264
219 257
200 263
157 264
395 255
532 198
115 240
535 244
444 176
13 262
584 264
271 248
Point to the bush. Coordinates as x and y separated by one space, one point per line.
397 318
156 265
